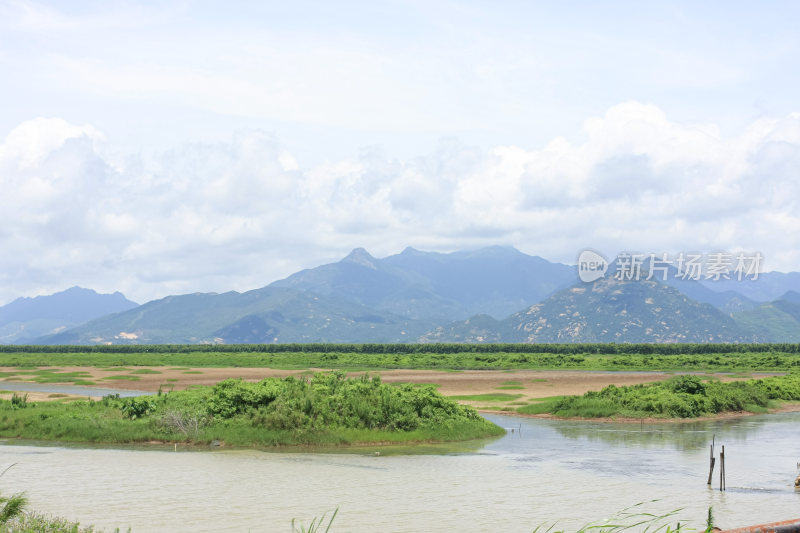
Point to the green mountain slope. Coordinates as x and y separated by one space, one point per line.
265 315
606 310
424 285
777 321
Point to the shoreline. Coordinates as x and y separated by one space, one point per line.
498 392
529 383
787 407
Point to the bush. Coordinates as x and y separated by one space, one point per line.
680 397
137 407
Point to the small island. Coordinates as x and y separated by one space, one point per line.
679 397
327 409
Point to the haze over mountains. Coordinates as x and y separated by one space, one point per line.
26 319
494 294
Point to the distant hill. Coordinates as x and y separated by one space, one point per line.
425 285
791 296
469 296
606 310
25 319
724 297
268 315
769 286
777 321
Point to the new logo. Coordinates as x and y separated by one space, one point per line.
591 266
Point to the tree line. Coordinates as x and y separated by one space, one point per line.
396 348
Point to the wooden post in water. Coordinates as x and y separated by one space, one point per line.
711 465
722 469
712 460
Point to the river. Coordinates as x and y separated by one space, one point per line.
546 471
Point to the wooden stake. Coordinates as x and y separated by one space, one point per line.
712 460
722 469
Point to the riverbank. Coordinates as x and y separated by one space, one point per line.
529 384
784 407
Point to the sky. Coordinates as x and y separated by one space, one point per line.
160 148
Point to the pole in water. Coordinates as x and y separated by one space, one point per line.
722 469
712 460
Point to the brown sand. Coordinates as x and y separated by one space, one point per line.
527 384
530 383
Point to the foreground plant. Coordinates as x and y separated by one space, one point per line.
11 507
631 519
316 524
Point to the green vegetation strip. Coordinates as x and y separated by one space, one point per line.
677 397
51 375
396 348
328 409
717 358
492 397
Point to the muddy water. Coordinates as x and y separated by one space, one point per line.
545 471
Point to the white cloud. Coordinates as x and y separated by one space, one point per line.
240 214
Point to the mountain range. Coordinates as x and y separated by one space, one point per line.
494 294
25 319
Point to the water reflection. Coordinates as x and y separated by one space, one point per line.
549 471
686 436
762 452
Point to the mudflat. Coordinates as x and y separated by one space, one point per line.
527 384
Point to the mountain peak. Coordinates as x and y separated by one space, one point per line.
791 296
409 250
498 249
361 257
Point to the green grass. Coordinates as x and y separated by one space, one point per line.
491 397
539 406
47 375
40 523
329 409
539 380
511 385
636 519
702 358
124 377
55 376
192 372
173 380
677 397
146 371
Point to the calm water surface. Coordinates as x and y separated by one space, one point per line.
546 471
